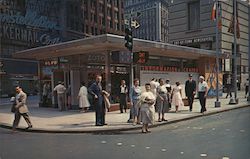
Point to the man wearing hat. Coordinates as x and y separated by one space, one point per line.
190 90
202 92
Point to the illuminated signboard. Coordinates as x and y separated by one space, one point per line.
140 57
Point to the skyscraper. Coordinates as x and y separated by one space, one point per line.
153 18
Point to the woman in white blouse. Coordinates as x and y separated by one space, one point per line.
177 97
83 98
147 109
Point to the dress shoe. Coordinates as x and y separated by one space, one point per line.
30 126
164 119
148 131
144 132
105 124
98 125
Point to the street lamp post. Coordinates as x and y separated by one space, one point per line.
217 102
248 98
234 99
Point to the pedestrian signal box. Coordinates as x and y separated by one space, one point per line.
140 57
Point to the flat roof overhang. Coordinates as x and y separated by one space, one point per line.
110 42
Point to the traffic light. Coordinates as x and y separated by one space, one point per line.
128 39
140 57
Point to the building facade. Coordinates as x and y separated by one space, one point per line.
103 16
27 24
81 60
190 24
153 19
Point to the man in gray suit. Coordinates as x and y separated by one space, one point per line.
21 108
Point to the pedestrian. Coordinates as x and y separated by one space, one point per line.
134 95
190 90
177 97
147 109
123 96
153 85
96 90
60 90
229 86
21 108
169 89
202 92
46 91
83 98
68 94
162 101
246 87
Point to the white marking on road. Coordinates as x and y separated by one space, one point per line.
182 153
227 129
203 155
132 145
163 150
188 127
104 142
225 158
242 130
197 128
147 147
213 129
119 144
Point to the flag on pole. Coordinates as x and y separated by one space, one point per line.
231 26
213 14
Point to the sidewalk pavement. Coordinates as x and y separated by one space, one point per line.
50 120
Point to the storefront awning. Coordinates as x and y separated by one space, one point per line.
108 42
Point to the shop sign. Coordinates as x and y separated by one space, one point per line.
96 58
194 40
47 39
27 35
167 69
50 63
29 19
20 34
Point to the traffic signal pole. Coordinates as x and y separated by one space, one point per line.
129 45
131 56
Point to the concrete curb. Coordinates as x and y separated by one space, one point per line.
118 130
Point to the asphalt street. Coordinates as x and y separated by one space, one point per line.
221 136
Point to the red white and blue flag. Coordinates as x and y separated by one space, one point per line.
216 8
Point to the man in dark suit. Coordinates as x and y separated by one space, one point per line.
190 90
96 90
21 108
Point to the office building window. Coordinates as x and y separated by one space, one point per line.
92 30
103 21
116 15
194 15
110 24
95 18
117 27
116 3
